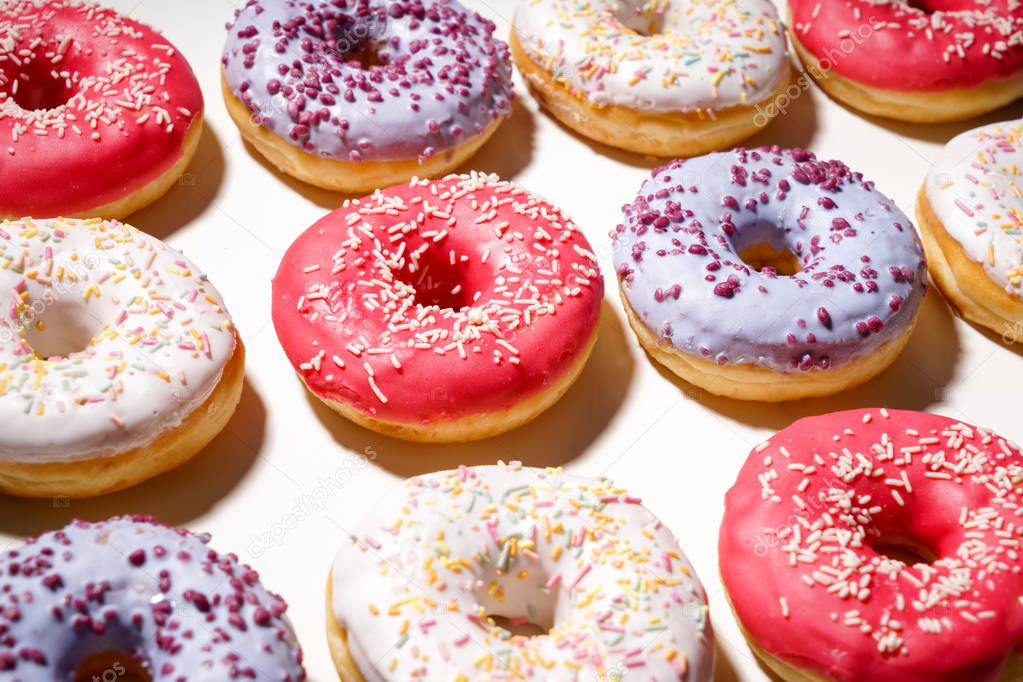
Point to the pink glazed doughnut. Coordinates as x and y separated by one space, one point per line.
923 61
442 311
138 599
879 545
99 114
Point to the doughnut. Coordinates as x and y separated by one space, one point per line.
970 214
508 572
768 274
118 361
879 545
439 311
667 78
355 95
923 61
99 114
132 597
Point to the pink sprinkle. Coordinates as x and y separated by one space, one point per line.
582 574
681 665
963 207
553 580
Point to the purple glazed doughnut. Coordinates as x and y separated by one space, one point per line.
129 594
767 274
354 95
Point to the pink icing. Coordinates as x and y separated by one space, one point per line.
914 45
114 122
373 314
798 560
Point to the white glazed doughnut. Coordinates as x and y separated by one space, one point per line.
970 213
665 78
415 594
118 359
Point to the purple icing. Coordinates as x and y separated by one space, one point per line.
862 270
131 586
368 80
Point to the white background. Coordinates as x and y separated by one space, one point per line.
677 448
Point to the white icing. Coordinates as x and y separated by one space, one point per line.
576 555
976 190
150 337
708 54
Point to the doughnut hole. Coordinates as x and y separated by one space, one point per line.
367 55
35 88
925 6
765 255
517 601
639 18
908 550
437 282
520 627
61 329
359 43
111 666
762 246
